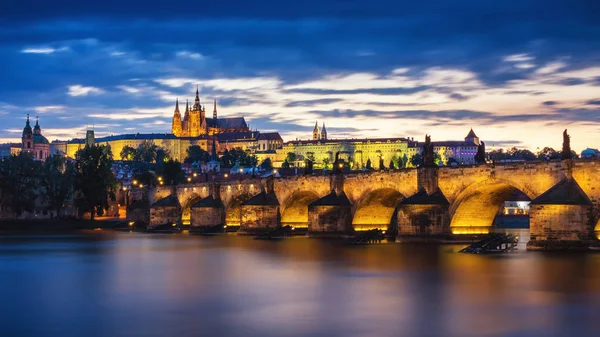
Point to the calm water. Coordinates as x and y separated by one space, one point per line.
124 284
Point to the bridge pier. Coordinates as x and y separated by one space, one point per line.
561 218
424 216
210 211
261 213
331 215
165 211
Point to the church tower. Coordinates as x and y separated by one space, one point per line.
323 132
316 133
27 137
197 120
215 111
472 138
176 125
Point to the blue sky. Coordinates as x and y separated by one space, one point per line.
518 72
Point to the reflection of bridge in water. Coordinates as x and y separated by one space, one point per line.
415 203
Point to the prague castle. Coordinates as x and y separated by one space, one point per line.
195 123
193 129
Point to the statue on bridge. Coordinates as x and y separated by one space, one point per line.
566 149
338 164
308 166
480 156
427 157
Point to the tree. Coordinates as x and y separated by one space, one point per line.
172 173
196 154
404 161
146 151
326 162
266 164
415 160
95 181
128 153
290 157
451 161
548 153
19 180
285 164
381 165
58 182
392 165
369 166
145 178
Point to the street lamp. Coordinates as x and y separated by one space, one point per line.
189 179
195 174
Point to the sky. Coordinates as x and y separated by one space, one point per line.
517 72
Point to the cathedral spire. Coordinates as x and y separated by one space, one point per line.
323 132
316 133
187 110
215 110
197 101
177 104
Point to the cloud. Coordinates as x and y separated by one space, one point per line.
518 58
593 102
79 90
550 103
43 50
191 55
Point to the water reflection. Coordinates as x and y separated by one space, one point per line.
122 284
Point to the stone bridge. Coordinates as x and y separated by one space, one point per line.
411 202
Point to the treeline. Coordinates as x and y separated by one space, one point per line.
515 154
88 181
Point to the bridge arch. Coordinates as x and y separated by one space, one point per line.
475 208
376 209
295 209
233 209
186 210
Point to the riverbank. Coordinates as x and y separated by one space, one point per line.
58 225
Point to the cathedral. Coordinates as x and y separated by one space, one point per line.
195 123
33 142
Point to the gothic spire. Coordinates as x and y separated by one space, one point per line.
197 101
177 104
215 110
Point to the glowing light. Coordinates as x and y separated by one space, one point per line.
226 175
135 182
124 188
174 225
189 179
470 230
161 182
159 178
195 174
141 185
131 223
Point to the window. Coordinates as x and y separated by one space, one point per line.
28 145
41 155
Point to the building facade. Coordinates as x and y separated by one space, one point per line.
195 123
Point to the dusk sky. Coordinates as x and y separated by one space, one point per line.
518 72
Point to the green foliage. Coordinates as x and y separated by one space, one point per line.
266 164
437 159
128 153
404 161
392 165
146 152
145 178
369 165
172 173
290 157
416 160
19 179
196 154
512 154
326 162
548 153
233 156
58 182
285 164
95 181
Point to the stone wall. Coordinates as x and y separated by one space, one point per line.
560 222
259 218
164 215
329 219
207 216
423 220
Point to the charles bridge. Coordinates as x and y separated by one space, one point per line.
411 203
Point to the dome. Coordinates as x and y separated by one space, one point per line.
587 153
39 139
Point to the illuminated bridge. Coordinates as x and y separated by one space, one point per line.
423 202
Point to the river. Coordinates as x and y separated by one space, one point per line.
134 284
